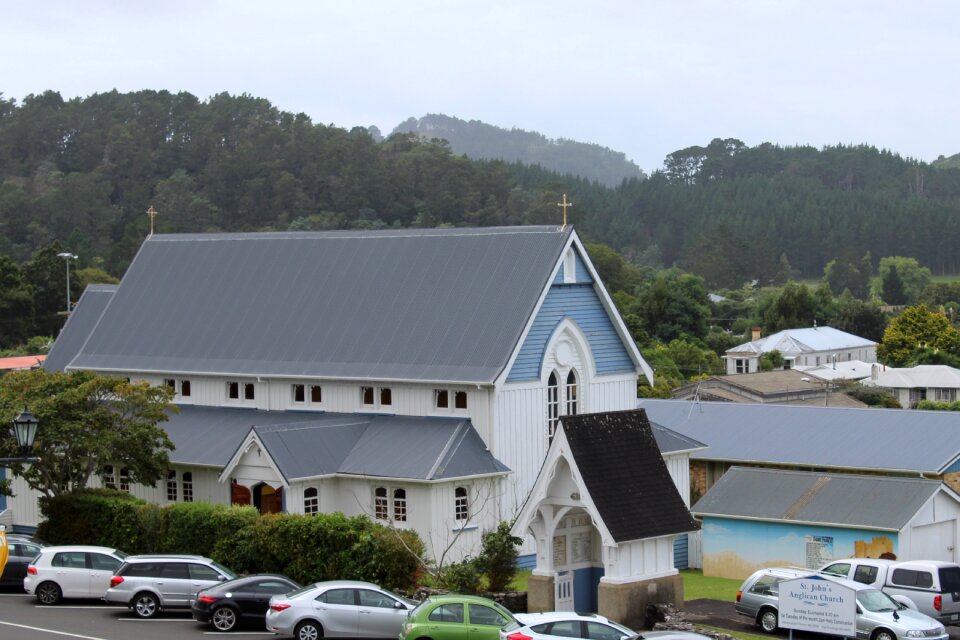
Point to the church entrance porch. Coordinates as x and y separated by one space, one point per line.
267 499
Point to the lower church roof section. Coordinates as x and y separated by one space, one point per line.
304 444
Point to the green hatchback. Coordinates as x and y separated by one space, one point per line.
455 618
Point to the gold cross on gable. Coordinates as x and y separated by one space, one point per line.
153 214
564 204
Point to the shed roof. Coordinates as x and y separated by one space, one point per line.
305 444
414 304
81 322
893 440
618 459
872 502
15 363
808 340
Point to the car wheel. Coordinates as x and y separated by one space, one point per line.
768 620
223 618
49 593
145 605
883 634
308 630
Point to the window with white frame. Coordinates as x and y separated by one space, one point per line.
249 391
742 364
233 390
441 399
306 394
553 404
376 397
170 383
172 485
311 501
381 510
461 504
945 395
109 479
185 388
299 393
316 394
124 484
187 480
571 392
400 505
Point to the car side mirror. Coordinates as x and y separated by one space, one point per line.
221 578
399 605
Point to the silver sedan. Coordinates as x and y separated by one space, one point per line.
563 625
338 609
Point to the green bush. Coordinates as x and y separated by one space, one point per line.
196 527
498 557
462 577
103 517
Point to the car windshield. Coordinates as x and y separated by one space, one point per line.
416 610
873 600
120 554
296 593
230 574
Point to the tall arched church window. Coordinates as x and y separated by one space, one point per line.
572 393
311 501
380 510
553 404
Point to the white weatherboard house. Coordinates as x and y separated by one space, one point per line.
801 348
911 385
412 375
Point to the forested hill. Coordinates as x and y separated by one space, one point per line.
483 141
83 172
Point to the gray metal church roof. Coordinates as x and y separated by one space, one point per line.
875 502
669 441
380 446
81 322
825 437
304 444
418 304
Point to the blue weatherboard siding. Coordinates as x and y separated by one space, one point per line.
681 555
528 561
580 303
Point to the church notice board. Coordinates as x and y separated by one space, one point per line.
819 605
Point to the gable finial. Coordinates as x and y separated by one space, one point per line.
564 205
153 214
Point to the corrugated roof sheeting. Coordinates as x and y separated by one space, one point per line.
824 437
669 441
445 304
803 340
874 502
81 322
304 444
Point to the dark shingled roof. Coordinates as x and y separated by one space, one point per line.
625 474
81 322
415 304
305 444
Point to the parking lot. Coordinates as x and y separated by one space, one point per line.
22 618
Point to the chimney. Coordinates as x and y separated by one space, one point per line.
754 334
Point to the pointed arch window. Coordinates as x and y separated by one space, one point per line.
380 511
311 501
553 404
571 393
400 505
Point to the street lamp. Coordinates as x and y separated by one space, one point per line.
25 431
67 257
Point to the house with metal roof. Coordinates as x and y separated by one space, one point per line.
754 518
912 385
605 514
800 348
887 442
768 387
461 336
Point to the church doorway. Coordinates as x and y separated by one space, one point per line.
267 499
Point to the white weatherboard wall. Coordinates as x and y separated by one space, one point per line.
638 560
932 534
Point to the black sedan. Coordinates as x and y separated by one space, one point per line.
21 550
239 601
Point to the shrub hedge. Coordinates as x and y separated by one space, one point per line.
305 548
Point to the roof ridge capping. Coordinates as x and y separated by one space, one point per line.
407 232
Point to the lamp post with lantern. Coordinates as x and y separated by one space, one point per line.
25 431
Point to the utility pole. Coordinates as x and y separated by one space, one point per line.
67 258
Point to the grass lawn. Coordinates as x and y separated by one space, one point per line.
519 582
696 586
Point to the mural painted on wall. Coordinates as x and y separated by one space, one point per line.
737 548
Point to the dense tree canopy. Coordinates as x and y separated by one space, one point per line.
917 329
87 421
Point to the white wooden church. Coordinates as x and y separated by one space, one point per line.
415 376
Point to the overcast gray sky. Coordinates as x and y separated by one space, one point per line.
645 78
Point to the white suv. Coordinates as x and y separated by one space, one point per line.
71 572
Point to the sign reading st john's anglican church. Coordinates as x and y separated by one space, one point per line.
818 605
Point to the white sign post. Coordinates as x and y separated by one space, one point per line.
819 605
